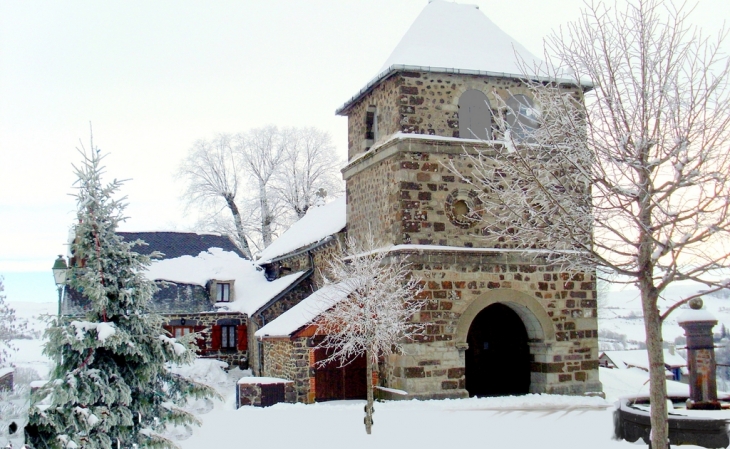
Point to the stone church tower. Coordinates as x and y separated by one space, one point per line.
499 323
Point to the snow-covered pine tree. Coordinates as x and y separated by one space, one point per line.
111 386
376 316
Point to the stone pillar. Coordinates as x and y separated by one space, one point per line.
698 324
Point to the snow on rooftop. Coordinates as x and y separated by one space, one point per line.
248 380
305 312
639 358
251 289
318 223
456 36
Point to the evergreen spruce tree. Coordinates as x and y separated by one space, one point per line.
111 386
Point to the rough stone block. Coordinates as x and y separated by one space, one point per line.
449 385
456 373
588 303
587 365
429 363
414 372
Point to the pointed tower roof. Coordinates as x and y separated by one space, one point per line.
454 38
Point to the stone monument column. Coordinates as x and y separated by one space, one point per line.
698 324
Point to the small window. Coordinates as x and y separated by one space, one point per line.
228 337
371 127
223 292
181 331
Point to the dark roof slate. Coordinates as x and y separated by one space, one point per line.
177 244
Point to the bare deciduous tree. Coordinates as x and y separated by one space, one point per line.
376 316
311 169
263 151
212 172
643 167
267 177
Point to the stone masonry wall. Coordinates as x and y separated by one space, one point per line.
291 359
404 192
250 393
567 363
422 103
233 357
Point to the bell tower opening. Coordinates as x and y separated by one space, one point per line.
498 356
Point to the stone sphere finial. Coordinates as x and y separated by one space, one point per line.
695 303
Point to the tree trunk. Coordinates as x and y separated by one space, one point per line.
239 226
266 217
652 317
657 381
369 386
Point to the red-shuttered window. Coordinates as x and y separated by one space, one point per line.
229 337
242 338
215 338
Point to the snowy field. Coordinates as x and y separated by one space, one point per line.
532 421
620 312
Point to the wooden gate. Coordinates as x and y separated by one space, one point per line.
271 394
333 382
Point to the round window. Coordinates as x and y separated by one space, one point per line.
463 208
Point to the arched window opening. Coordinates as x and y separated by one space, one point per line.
475 116
523 117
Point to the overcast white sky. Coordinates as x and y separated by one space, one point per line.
153 77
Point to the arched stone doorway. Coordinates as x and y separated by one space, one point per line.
519 317
498 357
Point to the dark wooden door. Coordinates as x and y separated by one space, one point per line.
333 382
271 394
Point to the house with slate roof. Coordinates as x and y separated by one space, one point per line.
498 322
206 286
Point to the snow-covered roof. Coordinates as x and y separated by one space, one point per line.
305 312
319 223
454 38
639 358
251 289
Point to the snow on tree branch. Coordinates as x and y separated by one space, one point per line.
380 311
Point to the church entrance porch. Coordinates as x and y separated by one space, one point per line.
498 357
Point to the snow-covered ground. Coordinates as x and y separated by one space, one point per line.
620 312
542 421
